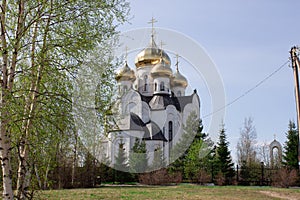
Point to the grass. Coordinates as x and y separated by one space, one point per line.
182 191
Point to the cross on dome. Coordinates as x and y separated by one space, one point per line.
161 48
152 21
177 61
126 53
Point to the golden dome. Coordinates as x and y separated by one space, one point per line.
151 55
179 80
161 69
125 74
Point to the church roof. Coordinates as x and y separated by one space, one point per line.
151 55
136 123
184 100
157 134
161 69
178 80
125 74
161 101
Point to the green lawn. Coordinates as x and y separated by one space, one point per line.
183 191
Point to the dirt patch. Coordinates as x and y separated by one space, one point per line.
280 195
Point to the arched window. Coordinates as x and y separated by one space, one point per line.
162 86
145 83
125 88
155 86
170 130
179 93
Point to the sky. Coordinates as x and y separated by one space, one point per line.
247 41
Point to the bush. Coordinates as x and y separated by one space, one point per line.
220 179
203 177
160 177
285 178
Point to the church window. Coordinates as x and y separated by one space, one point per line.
125 88
179 93
162 86
170 130
145 83
155 86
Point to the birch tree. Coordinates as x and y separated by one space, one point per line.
42 43
246 146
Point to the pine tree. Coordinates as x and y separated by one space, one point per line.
138 160
290 153
198 149
158 160
197 155
224 162
121 165
190 129
193 160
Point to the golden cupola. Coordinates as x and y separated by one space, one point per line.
125 74
179 80
161 69
151 55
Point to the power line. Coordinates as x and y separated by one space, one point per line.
248 91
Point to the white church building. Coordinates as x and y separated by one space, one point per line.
152 104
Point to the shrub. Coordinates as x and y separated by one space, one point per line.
160 177
285 177
203 177
220 179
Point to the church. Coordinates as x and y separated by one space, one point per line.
152 104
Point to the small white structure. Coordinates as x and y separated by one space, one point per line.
152 105
277 158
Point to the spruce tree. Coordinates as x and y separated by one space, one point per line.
192 161
198 149
180 149
158 160
121 165
290 153
198 155
138 160
224 162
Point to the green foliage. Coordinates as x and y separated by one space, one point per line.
41 56
197 150
106 173
121 165
223 161
190 129
290 153
158 160
250 173
192 161
138 161
199 156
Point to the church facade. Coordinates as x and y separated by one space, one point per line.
152 105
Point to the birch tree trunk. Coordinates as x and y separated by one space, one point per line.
41 44
7 85
5 156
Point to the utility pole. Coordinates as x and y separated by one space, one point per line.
296 68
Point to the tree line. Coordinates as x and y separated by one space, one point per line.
205 162
43 44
